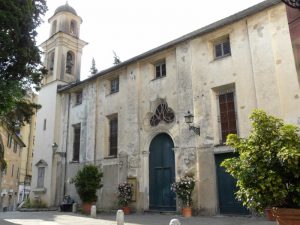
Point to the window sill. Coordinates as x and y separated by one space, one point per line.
220 145
158 78
73 162
111 157
221 57
76 104
39 190
112 93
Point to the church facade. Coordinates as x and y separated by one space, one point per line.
129 120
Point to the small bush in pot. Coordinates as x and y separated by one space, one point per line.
87 181
125 191
184 188
268 166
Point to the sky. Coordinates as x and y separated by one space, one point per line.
132 27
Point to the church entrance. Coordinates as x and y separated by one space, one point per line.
161 173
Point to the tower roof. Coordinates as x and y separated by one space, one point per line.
65 8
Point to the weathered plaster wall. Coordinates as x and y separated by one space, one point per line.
259 70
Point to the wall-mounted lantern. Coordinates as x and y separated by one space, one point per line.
189 119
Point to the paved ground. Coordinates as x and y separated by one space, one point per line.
57 218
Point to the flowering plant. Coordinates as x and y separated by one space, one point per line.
183 189
124 193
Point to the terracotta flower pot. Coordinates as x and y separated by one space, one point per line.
86 207
285 216
126 210
269 214
187 211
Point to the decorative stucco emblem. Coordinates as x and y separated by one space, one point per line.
162 113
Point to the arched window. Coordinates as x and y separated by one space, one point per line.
51 61
70 62
73 27
53 30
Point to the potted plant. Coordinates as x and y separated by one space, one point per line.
87 181
124 196
184 188
268 166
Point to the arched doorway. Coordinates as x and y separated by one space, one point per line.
161 173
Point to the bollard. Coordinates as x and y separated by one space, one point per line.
93 211
120 217
174 222
74 208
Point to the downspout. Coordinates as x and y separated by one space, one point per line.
96 122
251 58
27 160
67 138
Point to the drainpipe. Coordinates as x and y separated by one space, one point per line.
96 121
66 155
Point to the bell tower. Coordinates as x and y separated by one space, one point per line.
63 49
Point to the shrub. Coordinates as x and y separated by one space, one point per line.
124 193
87 181
184 189
268 167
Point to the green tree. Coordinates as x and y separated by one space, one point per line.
93 69
20 62
268 167
117 59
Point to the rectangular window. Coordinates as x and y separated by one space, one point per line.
160 70
41 176
9 140
113 136
12 170
227 115
45 124
222 48
15 147
76 142
18 171
78 98
8 137
114 85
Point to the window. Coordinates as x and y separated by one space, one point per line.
45 124
113 136
41 176
222 48
114 85
51 61
227 115
162 113
69 62
53 27
160 70
9 140
73 27
78 99
12 170
76 142
15 147
18 171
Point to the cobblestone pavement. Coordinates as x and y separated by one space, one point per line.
57 218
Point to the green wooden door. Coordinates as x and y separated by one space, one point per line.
161 173
228 204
